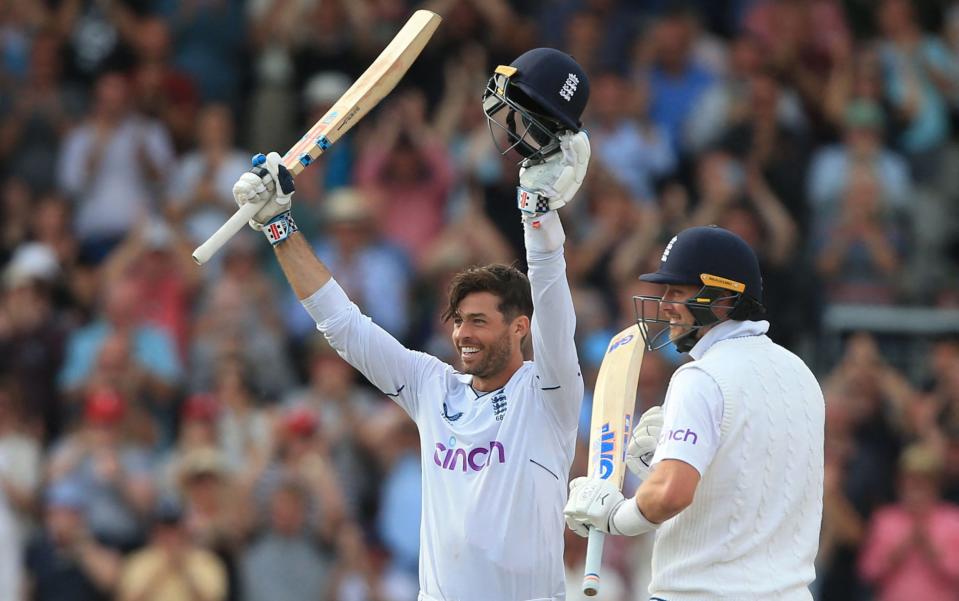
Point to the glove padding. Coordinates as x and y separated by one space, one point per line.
551 184
258 185
592 503
642 444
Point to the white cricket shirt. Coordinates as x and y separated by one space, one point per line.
749 416
495 465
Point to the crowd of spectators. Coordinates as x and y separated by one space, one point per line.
176 432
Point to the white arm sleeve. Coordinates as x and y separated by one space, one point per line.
390 366
692 414
554 323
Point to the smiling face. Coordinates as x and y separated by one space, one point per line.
487 344
678 314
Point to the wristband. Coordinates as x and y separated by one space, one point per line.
530 201
628 520
279 228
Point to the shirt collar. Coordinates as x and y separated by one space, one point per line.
726 330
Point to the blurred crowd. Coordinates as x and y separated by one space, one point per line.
176 432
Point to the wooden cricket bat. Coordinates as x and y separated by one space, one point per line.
365 93
610 427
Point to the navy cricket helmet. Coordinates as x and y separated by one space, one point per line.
725 267
546 90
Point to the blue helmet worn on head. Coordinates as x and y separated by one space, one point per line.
719 261
547 90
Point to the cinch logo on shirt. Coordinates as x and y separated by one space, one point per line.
683 435
473 460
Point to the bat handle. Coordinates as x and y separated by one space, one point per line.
220 237
594 559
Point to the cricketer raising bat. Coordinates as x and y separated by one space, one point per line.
375 83
610 426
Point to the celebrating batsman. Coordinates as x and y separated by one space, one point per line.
497 435
733 462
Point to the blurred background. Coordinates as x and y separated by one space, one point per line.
172 432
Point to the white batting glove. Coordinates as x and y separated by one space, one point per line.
552 184
258 185
598 503
592 502
642 444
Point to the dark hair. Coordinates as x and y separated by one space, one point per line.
504 281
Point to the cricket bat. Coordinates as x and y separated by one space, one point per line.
365 93
610 427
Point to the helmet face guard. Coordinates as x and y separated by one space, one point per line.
528 131
703 305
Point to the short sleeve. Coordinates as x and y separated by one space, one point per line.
692 413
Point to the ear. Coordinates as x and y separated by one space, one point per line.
520 326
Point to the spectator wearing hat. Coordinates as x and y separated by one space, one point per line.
32 335
320 93
172 567
301 454
156 258
112 470
344 407
212 516
197 431
366 265
861 145
65 562
912 547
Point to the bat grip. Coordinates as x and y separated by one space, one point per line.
234 224
594 559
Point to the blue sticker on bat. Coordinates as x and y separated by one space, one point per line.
305 160
323 142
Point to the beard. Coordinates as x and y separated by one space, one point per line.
495 358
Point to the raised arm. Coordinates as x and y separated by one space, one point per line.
548 186
385 362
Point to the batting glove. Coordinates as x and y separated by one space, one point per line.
642 444
592 502
258 186
553 183
598 503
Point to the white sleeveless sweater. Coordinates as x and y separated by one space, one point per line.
752 531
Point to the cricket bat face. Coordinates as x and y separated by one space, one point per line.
375 83
613 400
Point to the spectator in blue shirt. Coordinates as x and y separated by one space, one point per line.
150 349
675 80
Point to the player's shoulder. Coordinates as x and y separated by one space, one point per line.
691 371
694 379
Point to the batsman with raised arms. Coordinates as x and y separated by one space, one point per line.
732 465
498 434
